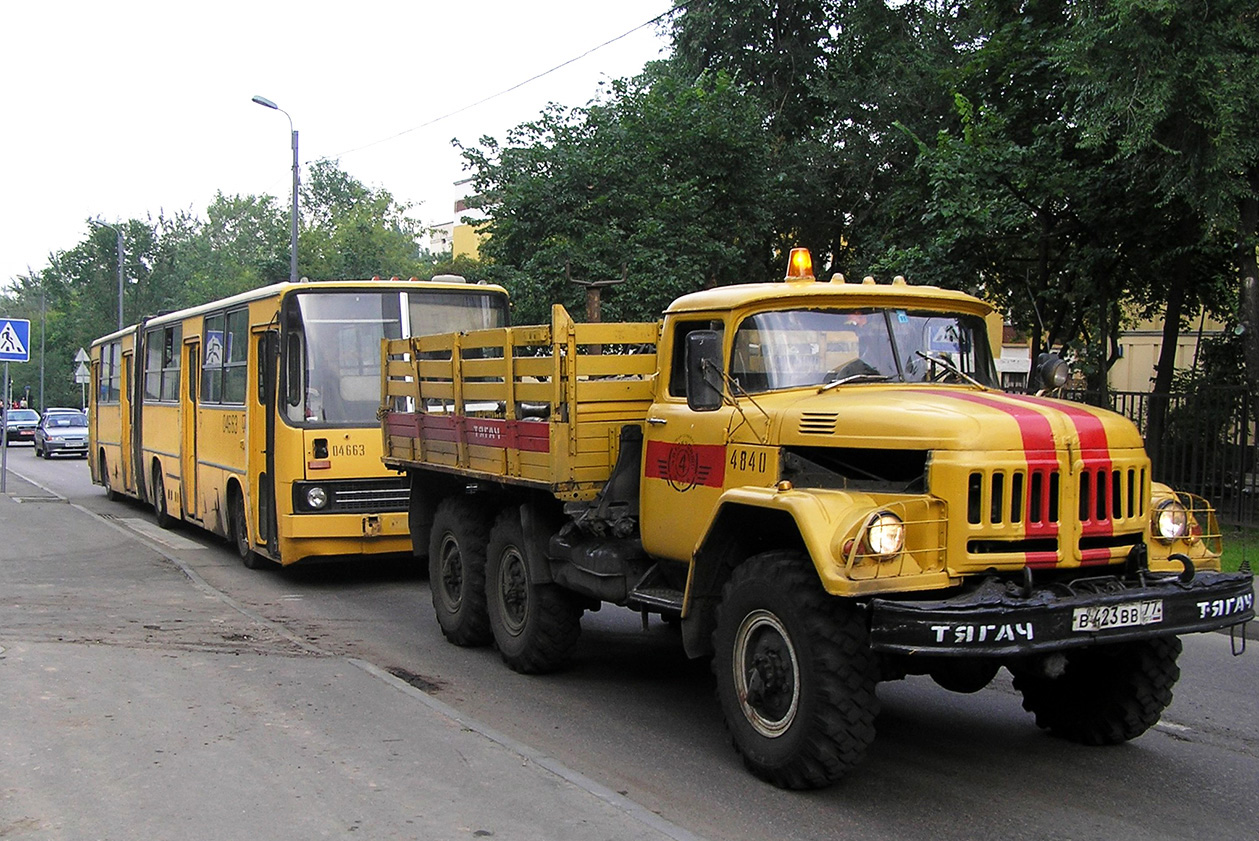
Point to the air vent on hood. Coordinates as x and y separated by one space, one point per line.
818 423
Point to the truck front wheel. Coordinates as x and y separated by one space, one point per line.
1102 695
456 571
795 674
535 624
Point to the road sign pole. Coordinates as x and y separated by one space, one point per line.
4 435
15 346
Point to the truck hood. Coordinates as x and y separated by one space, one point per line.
882 416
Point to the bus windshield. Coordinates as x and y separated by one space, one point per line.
331 347
797 348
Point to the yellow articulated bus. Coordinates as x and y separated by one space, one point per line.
254 416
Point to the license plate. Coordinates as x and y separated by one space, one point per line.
1125 615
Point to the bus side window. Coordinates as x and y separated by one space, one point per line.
295 375
267 344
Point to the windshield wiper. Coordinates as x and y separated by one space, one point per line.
853 378
948 365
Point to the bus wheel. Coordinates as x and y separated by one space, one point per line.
1103 695
239 528
795 674
110 494
535 625
456 571
163 517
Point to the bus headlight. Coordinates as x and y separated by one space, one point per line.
1171 521
316 497
885 536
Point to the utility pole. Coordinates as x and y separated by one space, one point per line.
594 291
594 297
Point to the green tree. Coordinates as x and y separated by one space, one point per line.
1171 89
243 244
353 231
663 182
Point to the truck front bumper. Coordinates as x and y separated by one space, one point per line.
1002 619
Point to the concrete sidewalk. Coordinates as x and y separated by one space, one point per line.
140 703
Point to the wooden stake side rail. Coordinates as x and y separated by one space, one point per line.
537 405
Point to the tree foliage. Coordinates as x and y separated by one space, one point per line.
353 231
348 230
664 182
1079 162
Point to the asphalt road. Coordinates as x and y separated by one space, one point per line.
635 715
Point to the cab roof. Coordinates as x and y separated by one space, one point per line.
816 294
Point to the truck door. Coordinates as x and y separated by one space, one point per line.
684 456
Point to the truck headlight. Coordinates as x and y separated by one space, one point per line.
316 497
885 536
1171 521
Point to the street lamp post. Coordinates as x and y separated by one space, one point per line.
266 103
118 232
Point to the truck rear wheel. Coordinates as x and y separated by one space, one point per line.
1105 695
535 624
795 673
456 571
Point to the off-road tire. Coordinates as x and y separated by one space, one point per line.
535 625
456 570
1107 694
812 716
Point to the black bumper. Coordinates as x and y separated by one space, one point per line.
1001 619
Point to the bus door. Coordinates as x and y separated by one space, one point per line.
126 393
267 359
140 475
188 417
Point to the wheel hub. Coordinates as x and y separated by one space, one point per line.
452 573
513 591
766 673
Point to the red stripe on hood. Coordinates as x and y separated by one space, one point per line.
1042 457
1095 453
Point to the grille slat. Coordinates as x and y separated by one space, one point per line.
1017 509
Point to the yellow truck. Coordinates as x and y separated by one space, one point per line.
823 485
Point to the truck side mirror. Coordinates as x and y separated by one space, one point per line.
704 381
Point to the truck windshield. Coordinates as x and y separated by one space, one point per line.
332 341
798 348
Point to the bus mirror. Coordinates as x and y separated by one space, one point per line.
703 370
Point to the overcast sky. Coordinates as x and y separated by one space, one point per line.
118 110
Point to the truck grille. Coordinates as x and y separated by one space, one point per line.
1030 509
996 497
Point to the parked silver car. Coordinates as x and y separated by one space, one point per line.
61 432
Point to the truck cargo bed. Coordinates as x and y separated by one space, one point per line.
541 406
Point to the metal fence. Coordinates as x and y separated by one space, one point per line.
1202 442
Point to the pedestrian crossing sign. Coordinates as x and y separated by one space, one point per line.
15 340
